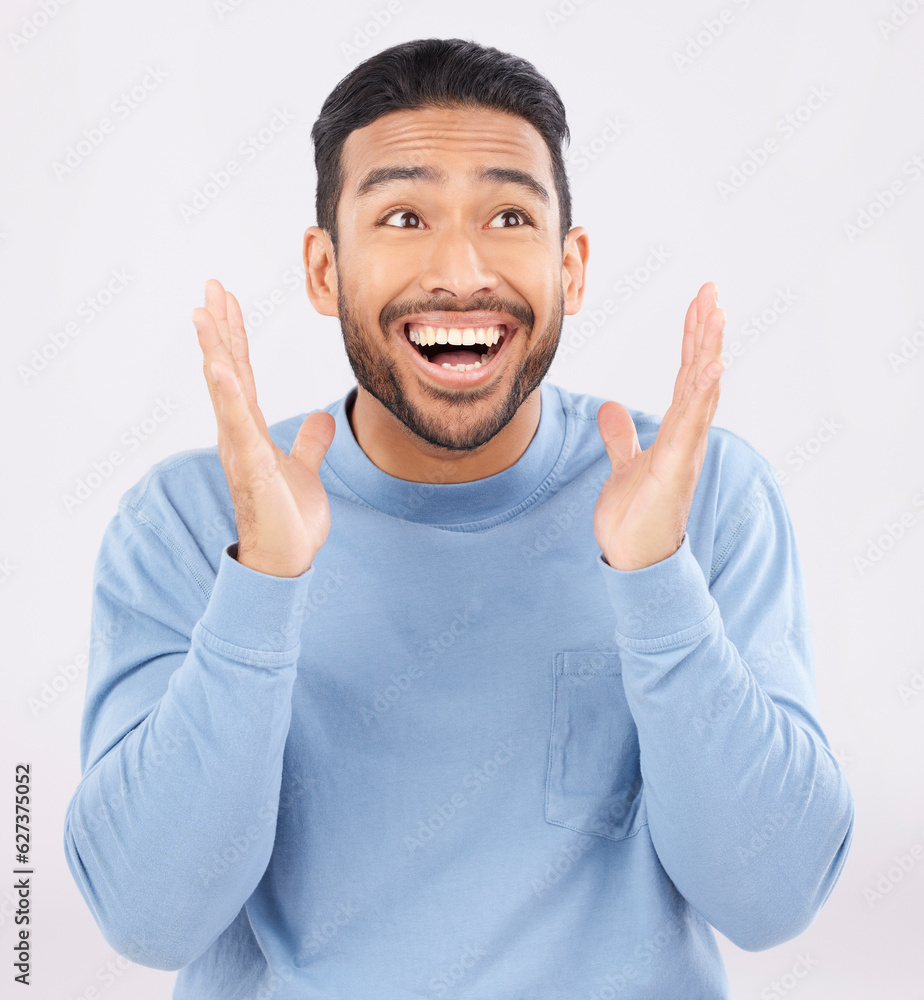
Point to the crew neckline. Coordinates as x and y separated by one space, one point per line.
455 505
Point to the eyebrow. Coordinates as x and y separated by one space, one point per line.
381 176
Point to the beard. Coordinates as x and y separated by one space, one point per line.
452 423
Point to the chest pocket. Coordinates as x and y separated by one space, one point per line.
594 782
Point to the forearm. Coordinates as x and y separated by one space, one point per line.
747 808
168 834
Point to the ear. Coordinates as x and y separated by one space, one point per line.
320 271
573 269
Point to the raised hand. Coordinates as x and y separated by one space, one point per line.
280 505
641 513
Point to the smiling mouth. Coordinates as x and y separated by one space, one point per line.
456 348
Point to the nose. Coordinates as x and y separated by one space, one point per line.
456 266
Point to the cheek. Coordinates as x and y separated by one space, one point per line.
526 265
381 277
534 279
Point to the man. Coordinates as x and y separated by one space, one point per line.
465 684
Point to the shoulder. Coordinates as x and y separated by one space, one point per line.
735 484
187 492
728 454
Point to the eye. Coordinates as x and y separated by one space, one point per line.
401 212
512 211
406 213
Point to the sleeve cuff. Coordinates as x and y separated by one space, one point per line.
255 610
662 601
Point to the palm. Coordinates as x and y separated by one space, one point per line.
641 513
308 496
280 504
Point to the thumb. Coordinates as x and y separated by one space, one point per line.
313 439
618 432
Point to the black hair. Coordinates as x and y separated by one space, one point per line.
442 73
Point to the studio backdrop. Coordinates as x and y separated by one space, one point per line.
774 148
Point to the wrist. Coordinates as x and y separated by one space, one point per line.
262 564
628 562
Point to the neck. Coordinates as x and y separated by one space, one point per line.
399 452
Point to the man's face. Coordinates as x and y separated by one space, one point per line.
437 243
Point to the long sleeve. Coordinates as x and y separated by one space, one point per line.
748 810
186 717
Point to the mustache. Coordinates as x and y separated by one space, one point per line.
523 314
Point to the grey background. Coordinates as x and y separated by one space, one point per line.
831 358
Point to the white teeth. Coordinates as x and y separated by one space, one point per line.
456 335
461 336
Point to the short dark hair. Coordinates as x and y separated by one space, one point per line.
442 73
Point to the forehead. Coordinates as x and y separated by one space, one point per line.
443 136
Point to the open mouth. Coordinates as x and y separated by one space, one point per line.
459 349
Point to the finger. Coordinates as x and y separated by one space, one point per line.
236 422
693 332
620 438
313 439
714 405
240 350
710 346
216 303
212 349
689 432
713 336
706 300
686 354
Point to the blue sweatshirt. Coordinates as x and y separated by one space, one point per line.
461 755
